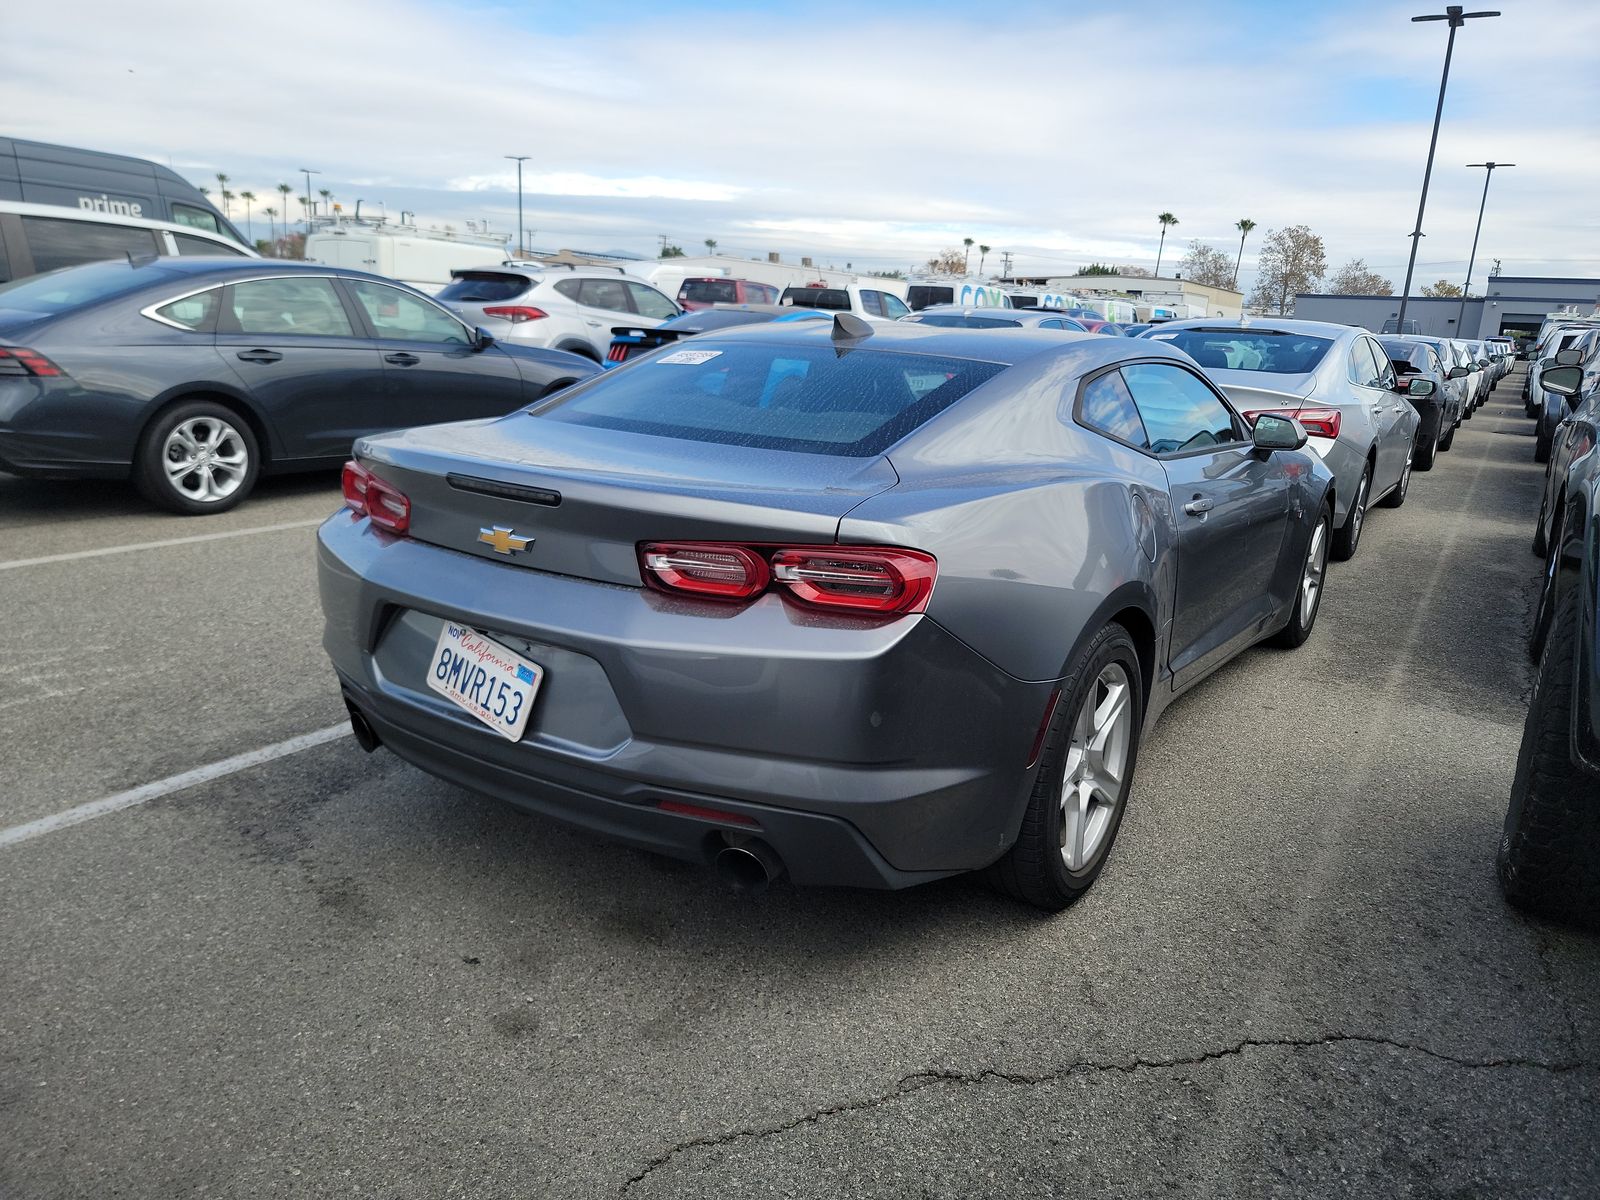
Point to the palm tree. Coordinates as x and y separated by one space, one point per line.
327 200
983 253
711 245
272 225
966 258
1167 221
222 184
1244 225
205 191
285 191
249 198
227 199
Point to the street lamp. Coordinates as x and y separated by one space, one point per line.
308 173
1487 175
1457 19
519 159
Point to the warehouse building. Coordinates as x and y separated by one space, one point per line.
1512 304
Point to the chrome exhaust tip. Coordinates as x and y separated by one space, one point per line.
748 866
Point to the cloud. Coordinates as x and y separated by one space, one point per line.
875 135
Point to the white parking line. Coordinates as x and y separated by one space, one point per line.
182 541
165 787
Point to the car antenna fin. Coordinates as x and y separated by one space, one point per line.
850 328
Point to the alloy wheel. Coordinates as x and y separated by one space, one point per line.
1359 516
1311 577
205 459
1096 765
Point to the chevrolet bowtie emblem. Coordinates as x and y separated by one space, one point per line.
503 540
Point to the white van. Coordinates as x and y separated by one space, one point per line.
424 258
41 237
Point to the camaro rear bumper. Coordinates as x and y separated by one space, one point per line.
877 755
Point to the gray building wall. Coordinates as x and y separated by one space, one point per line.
1511 304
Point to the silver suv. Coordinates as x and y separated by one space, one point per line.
564 308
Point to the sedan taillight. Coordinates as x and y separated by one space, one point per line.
19 360
516 313
871 580
1318 422
371 496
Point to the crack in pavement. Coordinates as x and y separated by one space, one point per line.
919 1080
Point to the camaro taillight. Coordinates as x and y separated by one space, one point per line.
1318 422
874 580
370 496
516 313
19 360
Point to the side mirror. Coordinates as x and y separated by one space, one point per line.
1278 433
1457 373
1563 380
482 339
1483 362
1568 358
1421 387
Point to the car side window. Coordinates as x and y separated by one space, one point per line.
293 305
608 294
651 303
1358 365
1108 407
1381 364
197 312
871 303
1179 412
400 315
197 245
569 288
894 307
1051 325
63 242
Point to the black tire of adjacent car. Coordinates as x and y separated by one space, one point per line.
1301 621
1348 535
1396 496
150 475
1423 457
1540 545
1033 870
1449 439
1549 855
1542 444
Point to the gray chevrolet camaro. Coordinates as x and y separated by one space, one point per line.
863 604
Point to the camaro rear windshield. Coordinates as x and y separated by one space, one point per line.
775 397
1249 349
484 287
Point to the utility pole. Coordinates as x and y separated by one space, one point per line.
663 238
1005 264
522 244
1487 175
308 173
1457 19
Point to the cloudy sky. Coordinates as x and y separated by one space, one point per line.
874 134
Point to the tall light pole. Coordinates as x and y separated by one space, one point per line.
1457 19
1487 175
308 173
519 159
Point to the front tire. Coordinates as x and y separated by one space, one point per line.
1549 855
197 458
1348 535
1397 494
1308 592
1084 775
1422 458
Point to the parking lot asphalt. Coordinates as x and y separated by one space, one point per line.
330 975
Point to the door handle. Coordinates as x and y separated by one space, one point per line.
1199 506
260 356
402 359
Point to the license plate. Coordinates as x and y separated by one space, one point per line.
493 683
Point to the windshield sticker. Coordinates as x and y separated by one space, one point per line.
692 358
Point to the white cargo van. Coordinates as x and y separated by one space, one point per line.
421 257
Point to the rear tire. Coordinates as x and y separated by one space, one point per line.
1348 536
1308 590
1396 496
1549 854
1542 444
1035 870
1422 458
1449 439
1541 545
196 458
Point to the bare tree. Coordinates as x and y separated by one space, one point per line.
1208 265
1135 272
1353 279
948 262
1292 261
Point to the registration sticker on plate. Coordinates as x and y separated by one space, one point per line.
495 684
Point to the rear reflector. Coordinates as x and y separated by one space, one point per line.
707 814
516 313
874 580
18 360
375 498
